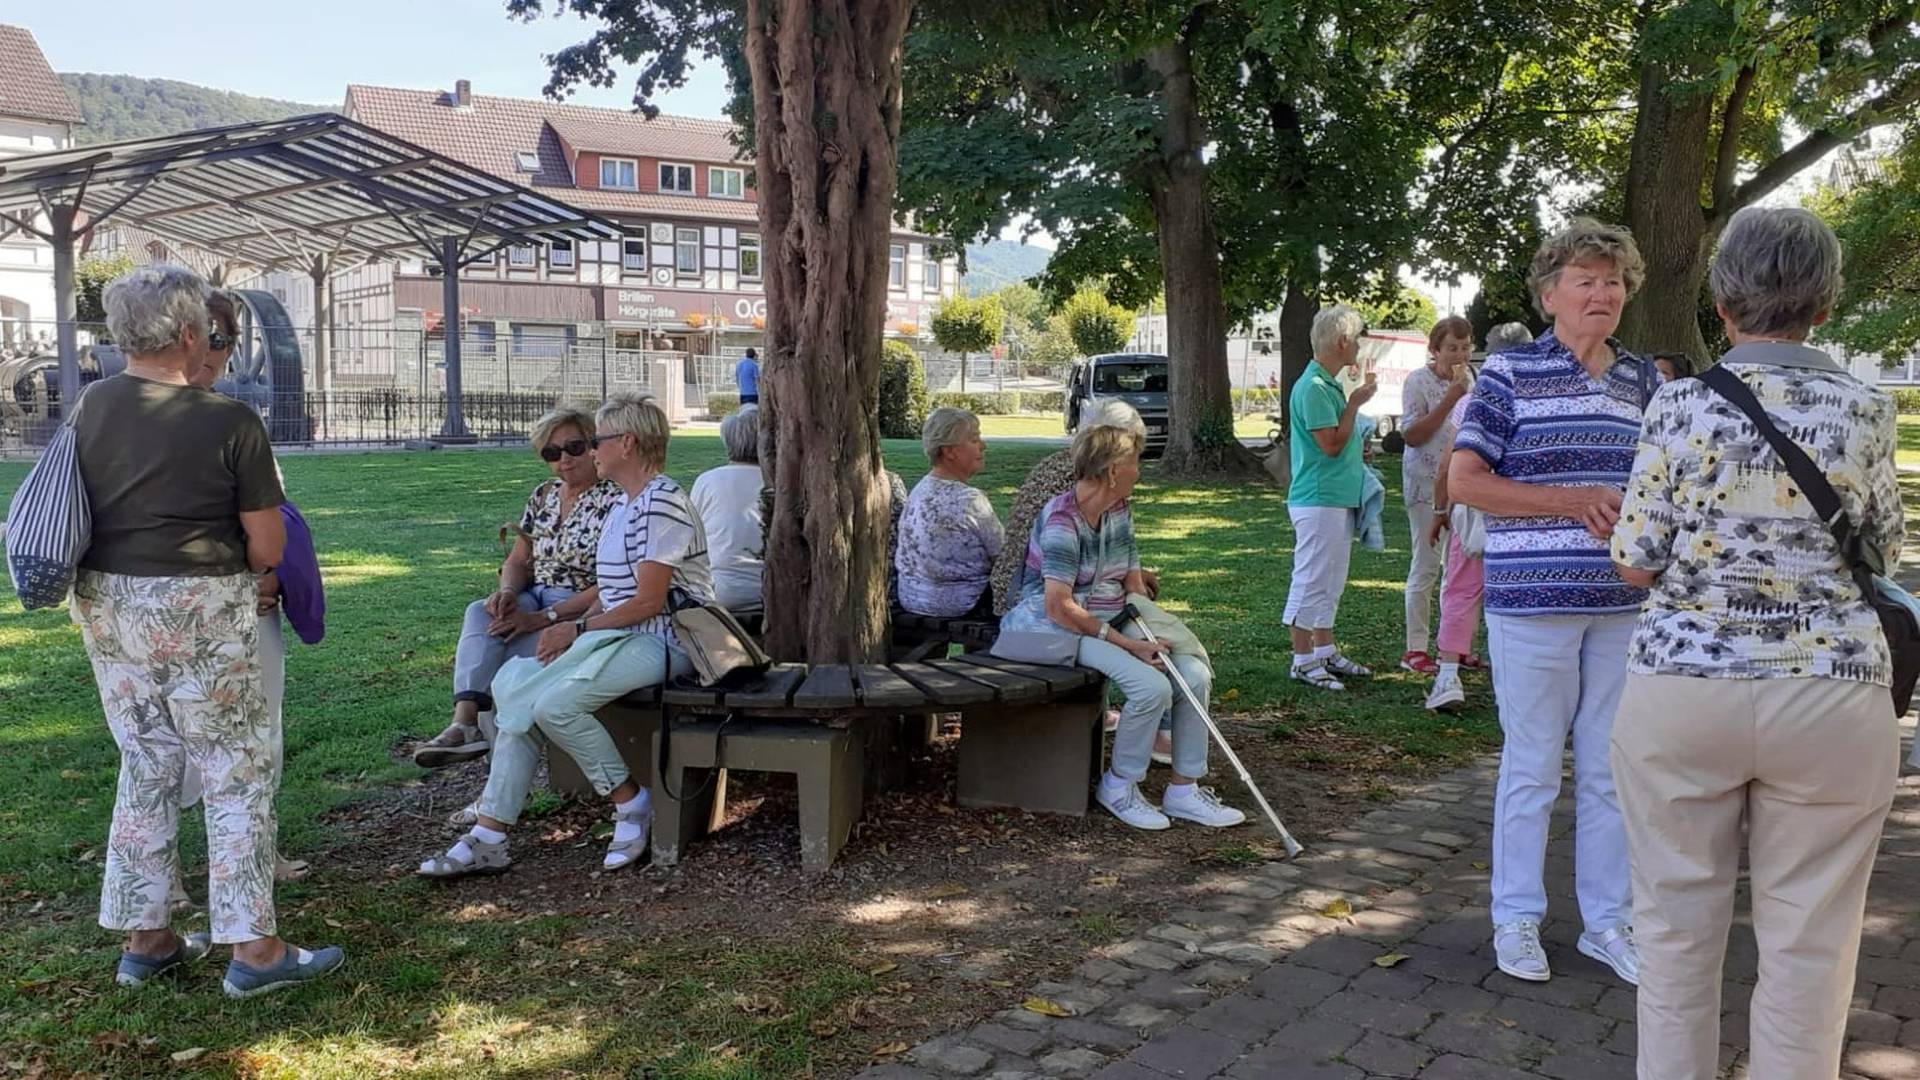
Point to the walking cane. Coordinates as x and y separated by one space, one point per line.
1131 613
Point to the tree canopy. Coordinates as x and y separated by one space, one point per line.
1879 226
1096 324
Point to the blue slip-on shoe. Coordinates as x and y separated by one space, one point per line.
296 966
135 969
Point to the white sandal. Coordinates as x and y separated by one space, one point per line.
621 855
1318 676
487 859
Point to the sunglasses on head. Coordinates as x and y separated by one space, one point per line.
571 448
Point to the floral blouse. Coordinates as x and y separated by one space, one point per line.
1752 584
564 551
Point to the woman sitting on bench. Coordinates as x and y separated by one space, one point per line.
1080 571
653 544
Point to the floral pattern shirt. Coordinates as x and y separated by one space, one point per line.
564 550
1419 465
945 548
1752 585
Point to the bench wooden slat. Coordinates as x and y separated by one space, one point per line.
1056 678
773 690
643 698
945 687
1010 688
880 688
827 686
691 696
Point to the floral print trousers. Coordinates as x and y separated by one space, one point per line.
178 665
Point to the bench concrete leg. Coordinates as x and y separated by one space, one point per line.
832 789
1041 757
633 731
675 822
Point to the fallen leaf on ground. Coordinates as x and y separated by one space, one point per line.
890 1049
1392 959
72 774
942 892
1479 866
823 1029
1504 1022
1231 695
191 1054
882 969
1104 881
1046 1008
1339 909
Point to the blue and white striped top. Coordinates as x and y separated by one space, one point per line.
657 526
1537 417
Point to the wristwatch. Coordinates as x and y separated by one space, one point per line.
580 625
1105 629
552 616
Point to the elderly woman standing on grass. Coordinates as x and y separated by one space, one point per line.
186 517
1323 499
948 535
1466 575
728 500
1548 441
1082 568
1427 424
548 578
1757 686
653 548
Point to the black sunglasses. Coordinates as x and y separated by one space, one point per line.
600 440
218 341
572 448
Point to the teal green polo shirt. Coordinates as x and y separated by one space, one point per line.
1318 480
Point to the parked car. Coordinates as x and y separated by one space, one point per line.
1139 379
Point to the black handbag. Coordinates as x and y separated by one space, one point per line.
1867 564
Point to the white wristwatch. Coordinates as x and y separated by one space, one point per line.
552 616
1105 629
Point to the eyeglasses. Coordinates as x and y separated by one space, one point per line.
571 448
601 440
218 341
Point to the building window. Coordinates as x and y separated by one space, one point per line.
933 275
485 258
633 254
560 255
526 161
521 255
686 252
726 183
620 174
749 257
677 179
897 266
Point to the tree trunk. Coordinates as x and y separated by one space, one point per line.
1200 436
826 93
1674 233
1296 342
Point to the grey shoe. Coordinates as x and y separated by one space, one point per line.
459 742
245 980
622 855
487 859
136 970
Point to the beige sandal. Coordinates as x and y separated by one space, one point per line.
487 859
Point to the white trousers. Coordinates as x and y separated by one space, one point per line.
1553 674
1423 577
1322 551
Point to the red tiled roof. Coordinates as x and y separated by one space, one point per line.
676 138
28 87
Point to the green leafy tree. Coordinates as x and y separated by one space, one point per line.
1096 324
966 325
1879 226
91 276
118 107
1396 308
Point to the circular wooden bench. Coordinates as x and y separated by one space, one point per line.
1030 740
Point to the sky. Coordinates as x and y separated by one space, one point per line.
309 50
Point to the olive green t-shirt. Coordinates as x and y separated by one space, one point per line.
168 470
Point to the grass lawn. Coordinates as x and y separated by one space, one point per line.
1909 452
433 988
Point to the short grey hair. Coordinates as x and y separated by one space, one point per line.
1332 324
740 433
1510 335
149 306
1777 269
561 416
946 426
1583 240
1113 413
631 412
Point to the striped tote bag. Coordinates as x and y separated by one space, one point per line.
49 525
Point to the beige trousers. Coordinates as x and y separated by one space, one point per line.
1809 764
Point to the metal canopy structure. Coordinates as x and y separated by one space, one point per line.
321 192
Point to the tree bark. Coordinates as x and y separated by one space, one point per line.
826 92
1296 342
1200 438
1665 173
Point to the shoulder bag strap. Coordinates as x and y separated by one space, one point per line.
1812 481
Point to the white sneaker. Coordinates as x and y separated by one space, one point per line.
1616 949
1516 947
1191 802
1131 807
1447 694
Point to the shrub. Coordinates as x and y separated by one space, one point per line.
1043 401
722 404
982 403
1097 324
1906 401
903 391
